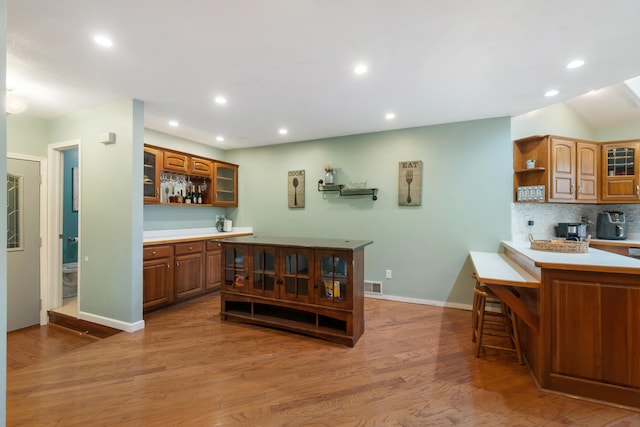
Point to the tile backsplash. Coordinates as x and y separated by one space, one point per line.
547 215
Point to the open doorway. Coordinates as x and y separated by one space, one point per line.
64 227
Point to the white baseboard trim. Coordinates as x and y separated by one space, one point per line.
421 301
112 323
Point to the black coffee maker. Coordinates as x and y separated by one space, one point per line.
611 225
572 231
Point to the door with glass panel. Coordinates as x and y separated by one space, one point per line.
296 274
621 172
23 243
334 271
235 259
263 271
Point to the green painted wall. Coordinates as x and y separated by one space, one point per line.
466 200
3 221
27 135
110 254
158 217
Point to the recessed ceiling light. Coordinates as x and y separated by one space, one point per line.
389 116
283 131
551 92
219 138
173 123
103 40
221 100
360 69
575 63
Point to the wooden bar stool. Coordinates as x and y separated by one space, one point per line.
491 317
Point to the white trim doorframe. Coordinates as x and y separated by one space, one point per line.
43 230
54 248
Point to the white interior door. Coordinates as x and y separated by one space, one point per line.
23 243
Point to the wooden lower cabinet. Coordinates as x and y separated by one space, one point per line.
175 272
189 262
157 276
213 272
289 284
589 339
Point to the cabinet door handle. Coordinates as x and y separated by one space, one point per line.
637 190
315 286
279 282
177 264
168 266
153 252
190 247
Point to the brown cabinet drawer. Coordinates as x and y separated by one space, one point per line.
154 252
189 248
213 245
200 167
175 162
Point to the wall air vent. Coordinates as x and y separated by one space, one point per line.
373 288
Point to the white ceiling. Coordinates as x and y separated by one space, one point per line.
289 62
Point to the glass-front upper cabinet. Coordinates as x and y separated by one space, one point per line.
620 165
152 163
263 271
225 183
234 261
296 274
333 278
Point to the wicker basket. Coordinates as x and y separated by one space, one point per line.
560 245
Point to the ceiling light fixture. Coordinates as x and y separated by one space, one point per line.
551 92
577 63
173 123
15 104
360 69
219 138
283 131
103 41
390 116
220 100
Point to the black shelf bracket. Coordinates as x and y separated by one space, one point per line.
347 192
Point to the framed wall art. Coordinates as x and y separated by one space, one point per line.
410 183
295 186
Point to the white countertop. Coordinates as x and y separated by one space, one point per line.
593 260
153 236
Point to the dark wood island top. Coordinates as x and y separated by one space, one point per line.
301 242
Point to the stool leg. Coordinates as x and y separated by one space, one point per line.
474 316
480 323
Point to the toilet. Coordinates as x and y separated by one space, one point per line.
69 279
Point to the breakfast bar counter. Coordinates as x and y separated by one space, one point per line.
588 306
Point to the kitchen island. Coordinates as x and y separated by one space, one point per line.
588 311
305 285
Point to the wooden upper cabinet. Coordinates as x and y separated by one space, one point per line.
567 167
201 167
225 184
176 162
152 166
587 161
620 172
563 172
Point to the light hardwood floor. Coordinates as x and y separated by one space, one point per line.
414 366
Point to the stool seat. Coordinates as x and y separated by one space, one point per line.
491 317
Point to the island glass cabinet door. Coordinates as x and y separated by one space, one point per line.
263 271
234 261
333 278
296 277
